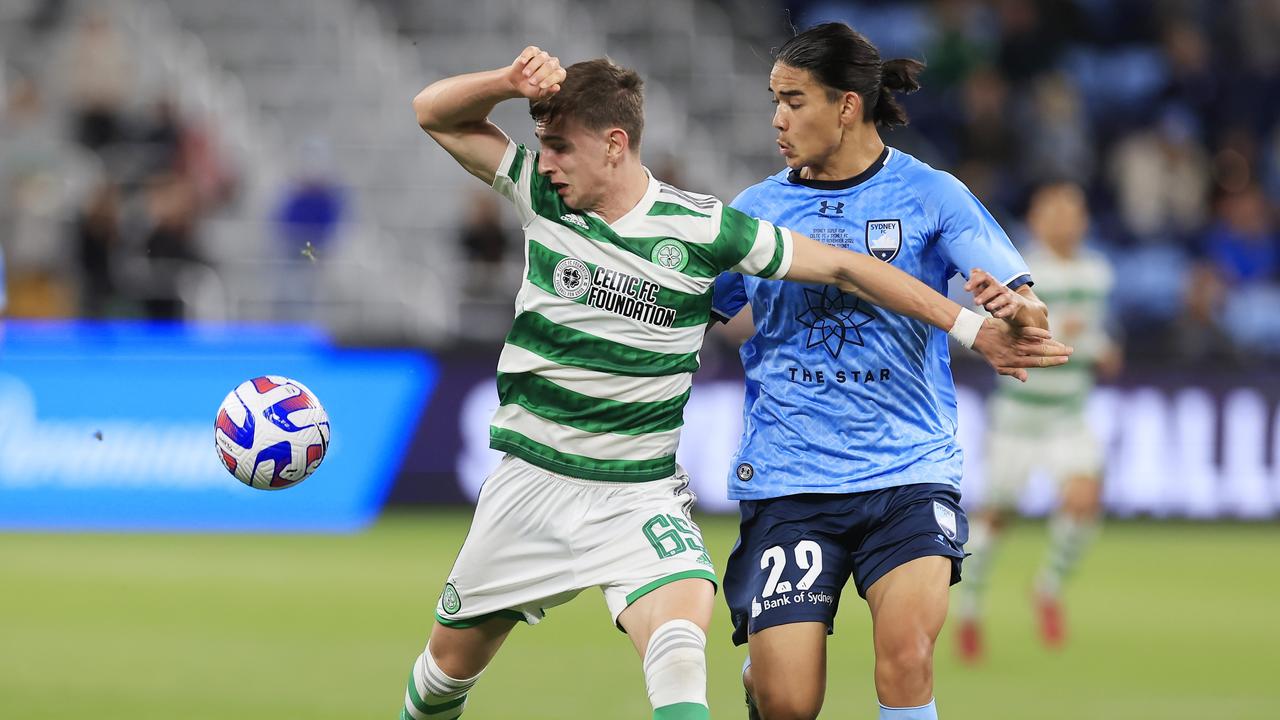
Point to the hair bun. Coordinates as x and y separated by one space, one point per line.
901 74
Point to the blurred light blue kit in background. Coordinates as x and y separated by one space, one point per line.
110 426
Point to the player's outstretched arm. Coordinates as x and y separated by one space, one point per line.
1004 347
455 111
1020 307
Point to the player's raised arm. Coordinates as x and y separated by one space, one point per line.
455 111
888 287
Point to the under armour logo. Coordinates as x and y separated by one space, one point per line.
836 208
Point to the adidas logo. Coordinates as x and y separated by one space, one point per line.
574 219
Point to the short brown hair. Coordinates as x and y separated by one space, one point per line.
600 95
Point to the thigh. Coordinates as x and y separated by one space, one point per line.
1009 462
912 597
464 652
1073 450
909 603
790 563
689 599
910 522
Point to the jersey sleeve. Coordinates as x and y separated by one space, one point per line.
752 246
518 180
728 296
969 237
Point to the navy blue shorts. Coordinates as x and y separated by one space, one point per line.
795 553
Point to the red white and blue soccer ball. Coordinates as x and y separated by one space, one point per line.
271 432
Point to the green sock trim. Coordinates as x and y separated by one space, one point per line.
682 711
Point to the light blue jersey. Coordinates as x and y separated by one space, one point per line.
841 395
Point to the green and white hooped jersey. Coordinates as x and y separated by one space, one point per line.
597 368
1075 291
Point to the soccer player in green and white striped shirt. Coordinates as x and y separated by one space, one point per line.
1041 424
596 371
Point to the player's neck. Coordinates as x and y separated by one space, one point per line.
1063 253
857 151
632 182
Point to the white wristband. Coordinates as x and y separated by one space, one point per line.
965 330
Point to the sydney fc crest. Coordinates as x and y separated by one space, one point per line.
946 518
884 238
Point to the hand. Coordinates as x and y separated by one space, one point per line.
535 74
1010 349
996 298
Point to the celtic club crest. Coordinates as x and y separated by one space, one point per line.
449 599
670 254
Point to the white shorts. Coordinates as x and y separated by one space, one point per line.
1067 449
538 539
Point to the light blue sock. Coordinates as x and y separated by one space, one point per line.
924 712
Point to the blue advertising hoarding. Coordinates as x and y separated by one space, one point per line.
110 426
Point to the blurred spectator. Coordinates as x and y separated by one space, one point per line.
989 139
29 137
314 203
1198 336
99 72
36 177
97 231
484 237
1192 83
160 136
1242 245
170 244
1034 35
1161 177
3 294
1059 146
957 50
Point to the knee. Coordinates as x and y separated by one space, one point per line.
788 706
454 662
1082 498
907 661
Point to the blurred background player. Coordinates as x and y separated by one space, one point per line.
1041 425
848 463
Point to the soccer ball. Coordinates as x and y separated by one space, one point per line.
271 432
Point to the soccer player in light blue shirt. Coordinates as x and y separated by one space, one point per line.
848 463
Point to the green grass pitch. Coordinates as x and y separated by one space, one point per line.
1168 620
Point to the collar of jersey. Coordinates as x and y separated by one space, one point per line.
641 209
865 175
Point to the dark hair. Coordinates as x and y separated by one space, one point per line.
600 95
844 60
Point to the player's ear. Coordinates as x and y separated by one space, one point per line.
617 145
850 108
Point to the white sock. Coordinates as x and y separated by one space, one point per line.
675 665
977 567
433 695
1068 539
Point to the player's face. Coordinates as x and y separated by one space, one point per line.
575 160
1059 217
808 121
